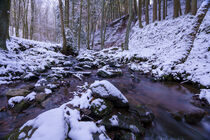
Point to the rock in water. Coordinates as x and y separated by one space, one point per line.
107 72
104 89
17 92
194 117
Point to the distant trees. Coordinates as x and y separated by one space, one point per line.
4 22
187 6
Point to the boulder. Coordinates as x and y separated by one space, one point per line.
41 97
194 116
21 106
144 115
17 92
108 72
105 89
101 107
123 122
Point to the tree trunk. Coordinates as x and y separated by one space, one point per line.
140 13
67 13
88 27
26 20
194 7
73 13
80 24
129 24
164 9
176 8
187 7
102 24
147 12
62 27
135 8
18 20
154 10
4 22
32 19
159 10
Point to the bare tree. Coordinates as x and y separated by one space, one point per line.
140 13
129 24
80 24
32 19
159 10
164 9
67 13
154 10
62 27
102 23
4 22
147 12
187 7
88 27
194 7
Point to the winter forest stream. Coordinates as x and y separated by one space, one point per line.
162 98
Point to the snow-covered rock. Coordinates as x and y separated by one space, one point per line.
205 94
104 89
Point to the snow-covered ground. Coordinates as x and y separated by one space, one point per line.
24 56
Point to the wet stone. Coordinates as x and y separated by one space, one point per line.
17 92
195 116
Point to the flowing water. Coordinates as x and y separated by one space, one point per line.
160 97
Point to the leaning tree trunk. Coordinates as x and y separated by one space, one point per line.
194 7
4 22
140 13
62 27
147 12
154 10
187 7
129 24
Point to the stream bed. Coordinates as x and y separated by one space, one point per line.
163 98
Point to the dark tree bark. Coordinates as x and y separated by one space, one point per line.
129 24
4 22
140 13
147 12
62 27
32 18
194 7
164 9
154 10
187 7
176 9
159 10
67 13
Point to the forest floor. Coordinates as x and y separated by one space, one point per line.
164 77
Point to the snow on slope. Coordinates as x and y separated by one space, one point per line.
198 62
26 56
